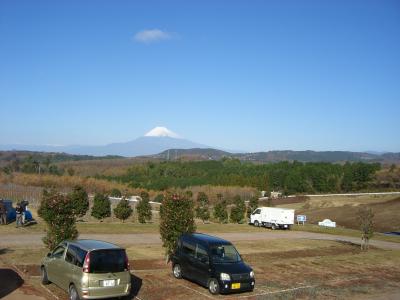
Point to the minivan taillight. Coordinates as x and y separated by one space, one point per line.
86 264
127 266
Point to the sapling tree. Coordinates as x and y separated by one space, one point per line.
123 210
238 211
58 212
253 204
144 208
101 207
220 210
202 210
365 217
176 218
80 200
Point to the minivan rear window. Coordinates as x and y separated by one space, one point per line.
107 261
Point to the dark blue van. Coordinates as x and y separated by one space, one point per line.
213 263
11 214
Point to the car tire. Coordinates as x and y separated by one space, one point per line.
73 293
256 223
43 276
273 227
177 271
213 286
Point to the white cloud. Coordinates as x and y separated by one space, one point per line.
152 35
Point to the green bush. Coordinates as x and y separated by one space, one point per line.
220 210
58 212
80 200
101 207
238 211
176 218
123 210
116 193
253 204
202 211
144 208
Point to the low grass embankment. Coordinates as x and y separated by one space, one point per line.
344 232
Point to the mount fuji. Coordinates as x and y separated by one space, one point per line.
155 141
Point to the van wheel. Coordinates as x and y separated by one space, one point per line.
73 294
273 227
177 271
213 286
256 223
43 276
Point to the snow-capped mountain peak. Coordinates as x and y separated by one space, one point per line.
162 132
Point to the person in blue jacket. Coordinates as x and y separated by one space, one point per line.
19 211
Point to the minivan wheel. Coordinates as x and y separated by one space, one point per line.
73 294
177 271
256 223
273 227
213 286
43 276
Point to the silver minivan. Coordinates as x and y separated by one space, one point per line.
88 269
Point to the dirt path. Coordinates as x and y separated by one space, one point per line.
35 240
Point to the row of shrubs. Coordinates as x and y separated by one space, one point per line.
237 213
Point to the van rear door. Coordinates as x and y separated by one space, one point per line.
108 272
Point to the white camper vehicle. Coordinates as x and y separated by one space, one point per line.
273 217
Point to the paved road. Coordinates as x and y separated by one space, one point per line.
35 240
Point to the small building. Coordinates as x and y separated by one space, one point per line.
275 195
130 199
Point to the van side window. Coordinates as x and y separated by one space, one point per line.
75 255
188 249
201 253
80 256
257 211
70 255
58 252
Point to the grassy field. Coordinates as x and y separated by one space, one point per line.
386 214
211 228
343 210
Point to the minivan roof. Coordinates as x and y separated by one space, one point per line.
206 239
93 245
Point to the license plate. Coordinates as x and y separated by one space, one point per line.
108 282
235 286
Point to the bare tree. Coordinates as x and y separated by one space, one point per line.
365 217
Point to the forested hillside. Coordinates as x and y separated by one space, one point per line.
290 177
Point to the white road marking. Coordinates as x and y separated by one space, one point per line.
198 292
277 292
50 292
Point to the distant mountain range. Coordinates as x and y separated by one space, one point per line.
155 141
276 156
163 143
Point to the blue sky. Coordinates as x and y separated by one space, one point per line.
246 75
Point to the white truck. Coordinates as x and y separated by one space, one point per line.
272 217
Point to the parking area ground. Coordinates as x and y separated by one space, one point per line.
285 268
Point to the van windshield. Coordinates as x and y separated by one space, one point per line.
107 261
224 254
